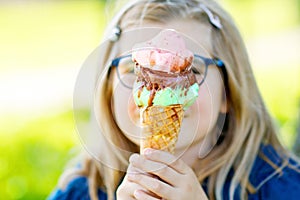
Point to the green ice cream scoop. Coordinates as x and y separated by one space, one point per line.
167 96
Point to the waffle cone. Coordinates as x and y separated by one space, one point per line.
161 126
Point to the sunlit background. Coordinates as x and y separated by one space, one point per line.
42 47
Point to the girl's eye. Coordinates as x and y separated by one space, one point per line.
197 70
131 68
126 67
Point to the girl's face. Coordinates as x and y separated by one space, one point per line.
199 119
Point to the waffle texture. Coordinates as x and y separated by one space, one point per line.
161 126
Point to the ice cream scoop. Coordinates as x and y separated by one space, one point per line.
166 52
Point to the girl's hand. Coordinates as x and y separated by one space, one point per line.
127 189
167 177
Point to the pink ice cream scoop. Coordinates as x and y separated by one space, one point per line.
166 52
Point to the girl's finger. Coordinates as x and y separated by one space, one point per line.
164 158
126 190
135 171
154 185
167 159
160 170
140 194
132 170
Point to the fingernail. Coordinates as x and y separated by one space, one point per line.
147 151
137 194
130 176
133 158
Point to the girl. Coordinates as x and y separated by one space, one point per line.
246 162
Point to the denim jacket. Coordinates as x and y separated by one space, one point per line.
267 183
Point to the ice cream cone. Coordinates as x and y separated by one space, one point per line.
164 86
161 126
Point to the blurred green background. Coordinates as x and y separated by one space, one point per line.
44 43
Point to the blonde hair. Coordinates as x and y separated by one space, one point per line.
248 122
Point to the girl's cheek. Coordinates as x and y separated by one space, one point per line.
204 99
133 111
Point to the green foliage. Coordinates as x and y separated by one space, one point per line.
280 87
33 157
262 17
49 33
